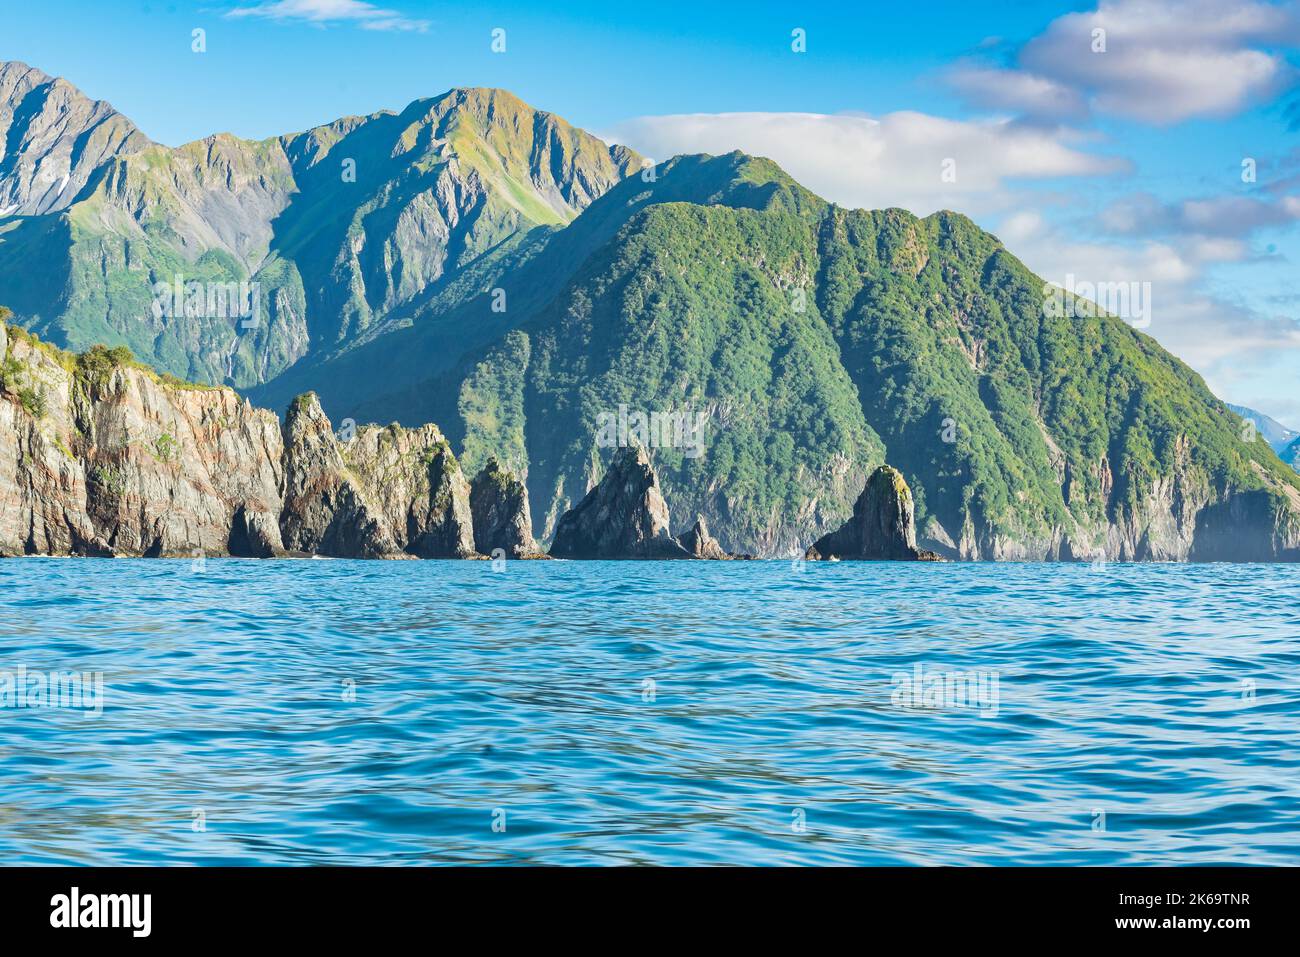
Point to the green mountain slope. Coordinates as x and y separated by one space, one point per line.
819 342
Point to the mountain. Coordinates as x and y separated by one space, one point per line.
52 140
819 342
1277 435
1291 454
339 233
514 280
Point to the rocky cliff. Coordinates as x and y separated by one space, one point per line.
101 456
502 520
377 493
882 528
626 516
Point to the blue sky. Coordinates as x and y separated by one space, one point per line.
1119 164
593 63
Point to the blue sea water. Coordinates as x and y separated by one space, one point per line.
340 712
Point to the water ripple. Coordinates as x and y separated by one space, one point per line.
671 713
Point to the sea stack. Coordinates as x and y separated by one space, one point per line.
502 520
700 544
387 492
624 516
883 526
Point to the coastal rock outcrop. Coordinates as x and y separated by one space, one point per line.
421 487
701 544
624 516
499 504
99 456
883 526
325 511
384 492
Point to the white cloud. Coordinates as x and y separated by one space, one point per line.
326 12
1217 216
896 160
1164 61
1015 91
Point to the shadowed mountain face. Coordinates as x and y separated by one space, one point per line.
304 244
485 266
52 140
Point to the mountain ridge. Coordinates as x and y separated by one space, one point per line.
478 263
341 230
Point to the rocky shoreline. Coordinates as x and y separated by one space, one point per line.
100 456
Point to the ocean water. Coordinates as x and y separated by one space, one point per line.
340 712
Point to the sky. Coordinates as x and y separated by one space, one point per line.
1145 145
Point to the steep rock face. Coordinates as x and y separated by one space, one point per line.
883 526
698 543
624 516
98 457
422 494
502 520
1248 527
325 510
52 140
338 234
382 493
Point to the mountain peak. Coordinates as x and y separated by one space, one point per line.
52 139
13 70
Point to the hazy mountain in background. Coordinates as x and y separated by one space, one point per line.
1274 432
1291 454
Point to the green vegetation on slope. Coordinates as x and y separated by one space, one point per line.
920 341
